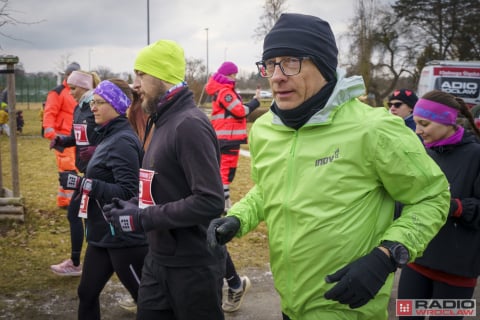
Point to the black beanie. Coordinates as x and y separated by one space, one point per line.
303 35
406 96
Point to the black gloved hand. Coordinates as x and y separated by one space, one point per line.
360 281
69 180
134 201
58 143
123 215
86 153
222 230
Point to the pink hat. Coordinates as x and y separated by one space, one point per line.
227 68
80 79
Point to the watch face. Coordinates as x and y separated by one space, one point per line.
401 255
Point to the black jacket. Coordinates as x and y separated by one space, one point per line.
114 169
186 186
82 116
456 247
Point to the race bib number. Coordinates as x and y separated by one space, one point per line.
82 213
81 137
145 198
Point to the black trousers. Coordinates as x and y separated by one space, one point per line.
181 293
98 267
231 275
76 227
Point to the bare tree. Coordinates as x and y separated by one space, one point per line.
106 73
449 27
63 62
363 25
7 18
271 12
194 69
384 52
195 77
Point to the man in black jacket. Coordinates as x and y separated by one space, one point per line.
181 192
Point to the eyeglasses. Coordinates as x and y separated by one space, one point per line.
97 102
290 66
395 104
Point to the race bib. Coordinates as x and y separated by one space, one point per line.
82 213
145 198
81 137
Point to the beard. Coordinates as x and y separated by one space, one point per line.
150 102
150 106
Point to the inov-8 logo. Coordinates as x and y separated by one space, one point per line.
436 307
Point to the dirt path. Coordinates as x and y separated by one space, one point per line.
261 302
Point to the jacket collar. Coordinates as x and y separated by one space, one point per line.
345 90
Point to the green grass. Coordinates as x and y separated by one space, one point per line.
28 248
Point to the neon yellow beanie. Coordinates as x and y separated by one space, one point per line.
164 60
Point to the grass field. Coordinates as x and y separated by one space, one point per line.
28 248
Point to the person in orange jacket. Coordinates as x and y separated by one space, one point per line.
229 119
58 120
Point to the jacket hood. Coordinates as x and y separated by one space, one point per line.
213 86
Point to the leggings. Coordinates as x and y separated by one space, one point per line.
76 227
98 267
413 285
231 275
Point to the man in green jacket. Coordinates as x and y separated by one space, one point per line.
327 171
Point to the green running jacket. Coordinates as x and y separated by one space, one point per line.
326 193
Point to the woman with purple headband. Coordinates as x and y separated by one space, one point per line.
449 266
111 174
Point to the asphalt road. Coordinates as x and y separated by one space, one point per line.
262 302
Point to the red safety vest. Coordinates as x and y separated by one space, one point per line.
229 115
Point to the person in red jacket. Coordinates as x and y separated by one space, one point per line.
229 119
58 120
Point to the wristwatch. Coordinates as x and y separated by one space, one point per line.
398 253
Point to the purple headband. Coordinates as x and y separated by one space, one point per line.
114 96
436 112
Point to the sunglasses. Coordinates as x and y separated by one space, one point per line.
395 105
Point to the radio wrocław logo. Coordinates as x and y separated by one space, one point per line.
436 307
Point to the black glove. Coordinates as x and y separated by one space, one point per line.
134 201
58 143
123 215
360 281
69 180
86 153
222 230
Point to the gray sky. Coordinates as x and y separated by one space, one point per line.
109 33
